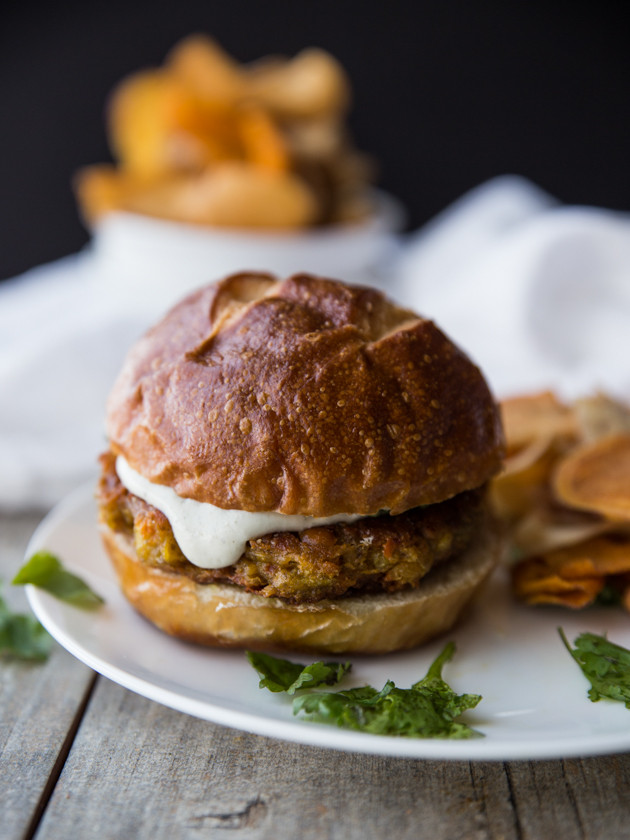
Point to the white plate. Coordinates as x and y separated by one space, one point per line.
534 695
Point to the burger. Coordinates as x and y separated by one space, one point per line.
299 464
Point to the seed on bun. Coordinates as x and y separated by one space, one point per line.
299 464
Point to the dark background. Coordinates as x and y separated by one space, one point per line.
447 94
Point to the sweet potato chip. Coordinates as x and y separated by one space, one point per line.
235 195
600 416
159 127
539 416
100 191
603 555
207 70
144 111
573 575
535 582
565 495
204 116
547 526
522 483
596 477
311 85
261 140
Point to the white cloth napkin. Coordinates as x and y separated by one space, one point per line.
537 293
62 341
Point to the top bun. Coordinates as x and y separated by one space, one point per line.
304 396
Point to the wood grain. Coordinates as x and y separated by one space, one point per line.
39 704
140 770
77 763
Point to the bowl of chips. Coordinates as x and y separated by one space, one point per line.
220 167
564 496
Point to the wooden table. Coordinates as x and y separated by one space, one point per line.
82 758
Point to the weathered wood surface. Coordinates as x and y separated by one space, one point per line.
84 759
40 704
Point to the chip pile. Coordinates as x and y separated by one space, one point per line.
205 140
565 495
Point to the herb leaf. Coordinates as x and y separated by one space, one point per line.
605 665
426 710
282 675
45 571
22 636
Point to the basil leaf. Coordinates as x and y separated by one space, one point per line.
22 636
282 675
45 571
605 665
426 710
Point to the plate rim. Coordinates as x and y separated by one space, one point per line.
295 730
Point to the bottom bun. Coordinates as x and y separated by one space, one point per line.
226 616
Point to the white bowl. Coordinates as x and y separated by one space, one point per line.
152 263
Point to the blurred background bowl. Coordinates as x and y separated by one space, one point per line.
445 95
151 263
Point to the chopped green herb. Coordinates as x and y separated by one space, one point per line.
282 675
605 665
45 571
22 636
426 710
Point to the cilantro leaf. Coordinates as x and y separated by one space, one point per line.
282 675
45 571
605 665
426 710
22 636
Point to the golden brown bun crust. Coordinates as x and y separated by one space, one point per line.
223 615
303 396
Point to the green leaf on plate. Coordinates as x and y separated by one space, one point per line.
46 571
605 665
282 675
22 636
429 709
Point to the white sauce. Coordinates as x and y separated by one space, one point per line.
208 536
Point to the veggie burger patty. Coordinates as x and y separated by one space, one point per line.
377 554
